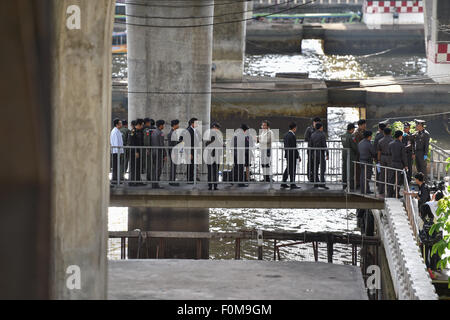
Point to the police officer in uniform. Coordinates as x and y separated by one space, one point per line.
408 142
378 137
349 142
125 135
147 131
398 161
421 147
136 140
309 131
173 141
359 136
384 159
319 140
366 155
158 153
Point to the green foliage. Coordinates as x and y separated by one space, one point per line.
443 225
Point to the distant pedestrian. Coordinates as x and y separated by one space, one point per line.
158 153
194 140
408 141
126 155
265 145
242 143
378 137
308 133
422 145
320 156
216 143
116 148
359 136
349 142
136 140
173 140
384 160
147 131
367 155
292 156
398 161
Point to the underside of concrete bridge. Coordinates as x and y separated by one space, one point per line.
235 197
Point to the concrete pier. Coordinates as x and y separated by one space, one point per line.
169 55
229 41
81 119
437 14
234 280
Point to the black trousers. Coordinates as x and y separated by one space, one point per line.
156 166
173 169
212 174
290 170
345 177
190 169
410 162
421 164
115 159
395 178
238 172
366 173
310 165
135 166
319 164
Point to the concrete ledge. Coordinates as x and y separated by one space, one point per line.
233 197
233 279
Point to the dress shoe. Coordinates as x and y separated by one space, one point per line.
173 184
216 188
295 187
324 187
284 186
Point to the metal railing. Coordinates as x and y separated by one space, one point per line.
391 184
438 157
253 165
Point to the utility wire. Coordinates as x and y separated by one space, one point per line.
204 17
184 6
216 23
404 81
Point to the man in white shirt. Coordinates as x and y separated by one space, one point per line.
116 141
265 146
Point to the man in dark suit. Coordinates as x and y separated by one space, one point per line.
190 167
173 140
320 155
291 154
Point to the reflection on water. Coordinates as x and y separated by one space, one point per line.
334 67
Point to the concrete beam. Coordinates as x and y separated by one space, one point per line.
238 198
81 123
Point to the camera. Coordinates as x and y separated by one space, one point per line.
437 186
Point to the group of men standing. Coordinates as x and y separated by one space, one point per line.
387 150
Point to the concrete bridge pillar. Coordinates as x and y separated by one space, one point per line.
377 12
437 37
81 116
229 41
169 55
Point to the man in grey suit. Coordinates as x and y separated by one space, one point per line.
158 154
366 156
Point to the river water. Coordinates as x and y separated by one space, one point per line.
320 66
